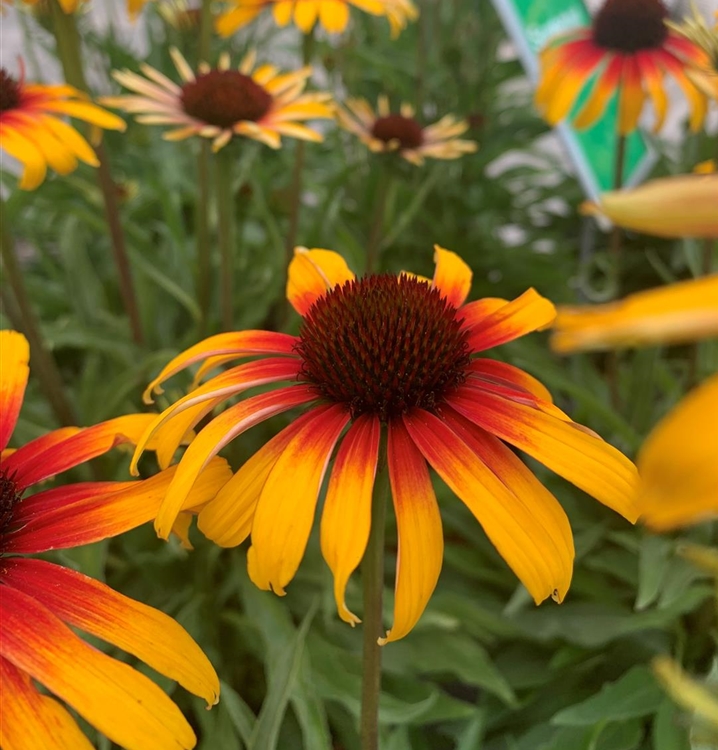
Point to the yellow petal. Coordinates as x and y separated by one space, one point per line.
678 463
14 370
334 15
346 519
452 276
419 532
686 691
682 206
285 510
312 273
677 313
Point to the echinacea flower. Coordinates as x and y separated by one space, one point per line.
678 206
42 604
220 103
628 49
332 15
385 131
673 314
32 132
394 355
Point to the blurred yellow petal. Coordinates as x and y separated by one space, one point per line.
686 691
678 463
687 311
681 206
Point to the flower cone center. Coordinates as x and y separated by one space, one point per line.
405 130
382 345
9 91
9 498
225 97
630 25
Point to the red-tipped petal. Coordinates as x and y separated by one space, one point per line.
502 373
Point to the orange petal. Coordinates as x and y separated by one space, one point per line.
677 463
285 510
421 542
95 608
696 99
603 89
586 461
653 81
97 511
631 97
72 447
687 311
495 324
312 273
119 701
227 519
523 529
346 519
503 373
452 276
239 343
32 721
14 369
220 431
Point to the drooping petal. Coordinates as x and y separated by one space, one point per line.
334 16
583 459
227 519
652 78
312 273
679 206
95 608
238 343
220 431
631 97
603 89
98 511
678 463
452 276
687 311
346 518
517 527
420 536
74 447
285 511
119 701
495 324
14 370
32 721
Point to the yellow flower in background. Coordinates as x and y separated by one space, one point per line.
332 15
687 692
385 131
221 103
628 49
399 356
44 606
673 314
680 206
69 6
32 132
678 463
699 32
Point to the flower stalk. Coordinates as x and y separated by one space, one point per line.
69 52
373 583
44 364
223 179
377 226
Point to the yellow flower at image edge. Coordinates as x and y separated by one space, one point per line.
32 132
332 15
629 48
385 131
70 6
43 604
220 103
394 355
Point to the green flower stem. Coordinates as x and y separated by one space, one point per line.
23 318
205 30
204 257
298 170
373 581
223 181
69 52
377 225
616 254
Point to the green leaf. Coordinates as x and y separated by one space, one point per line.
241 715
669 728
653 559
633 695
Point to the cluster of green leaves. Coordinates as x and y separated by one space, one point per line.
484 669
